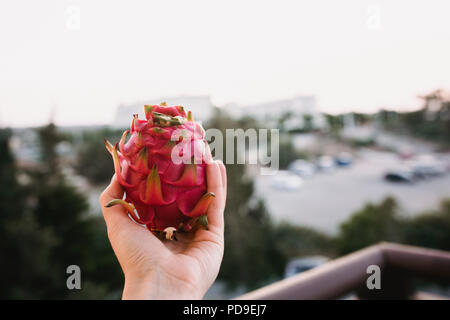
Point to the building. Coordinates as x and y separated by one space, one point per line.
201 107
298 110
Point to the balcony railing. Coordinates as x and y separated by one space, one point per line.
398 265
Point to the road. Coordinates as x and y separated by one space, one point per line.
326 200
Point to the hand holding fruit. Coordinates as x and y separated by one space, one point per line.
166 197
155 269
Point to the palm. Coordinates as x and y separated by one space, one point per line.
189 257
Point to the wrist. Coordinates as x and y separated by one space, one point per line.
157 287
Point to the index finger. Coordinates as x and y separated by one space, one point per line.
215 183
114 216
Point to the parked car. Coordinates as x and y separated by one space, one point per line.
344 159
325 164
302 168
286 181
427 171
426 166
300 265
405 176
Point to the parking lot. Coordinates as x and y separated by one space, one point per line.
325 200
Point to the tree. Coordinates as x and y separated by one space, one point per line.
288 153
370 225
431 122
297 241
93 161
24 246
81 237
49 138
376 223
430 229
47 228
10 193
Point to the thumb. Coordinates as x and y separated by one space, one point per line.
115 217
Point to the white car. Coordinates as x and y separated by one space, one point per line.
303 168
286 181
427 166
325 164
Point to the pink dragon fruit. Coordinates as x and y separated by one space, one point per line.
162 169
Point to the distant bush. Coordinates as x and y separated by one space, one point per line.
371 224
382 222
296 241
430 229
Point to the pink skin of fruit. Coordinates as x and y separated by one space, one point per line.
162 169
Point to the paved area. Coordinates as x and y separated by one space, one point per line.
327 199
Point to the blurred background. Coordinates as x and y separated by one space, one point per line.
360 91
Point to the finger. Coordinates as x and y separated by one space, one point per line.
215 185
116 216
208 156
223 174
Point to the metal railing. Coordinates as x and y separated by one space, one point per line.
349 273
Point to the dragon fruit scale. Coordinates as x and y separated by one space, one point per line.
162 169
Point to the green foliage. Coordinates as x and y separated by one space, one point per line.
431 229
425 123
308 123
11 194
93 161
370 225
46 228
287 152
251 256
49 137
296 241
362 143
336 122
25 262
81 239
24 245
376 223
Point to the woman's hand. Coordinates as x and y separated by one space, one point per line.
156 269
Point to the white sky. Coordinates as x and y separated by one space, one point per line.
236 51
